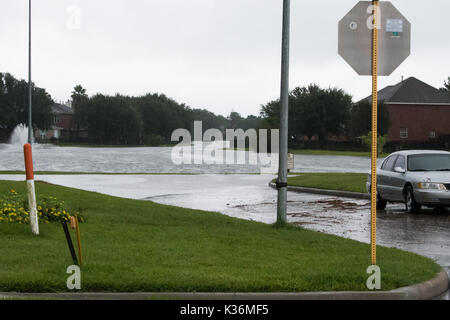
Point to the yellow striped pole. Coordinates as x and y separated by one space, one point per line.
373 241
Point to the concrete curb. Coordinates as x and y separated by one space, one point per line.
427 290
424 291
336 193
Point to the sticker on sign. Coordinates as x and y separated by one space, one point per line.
394 25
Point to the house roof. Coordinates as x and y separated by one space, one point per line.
61 109
412 91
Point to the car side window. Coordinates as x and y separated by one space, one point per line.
400 162
388 164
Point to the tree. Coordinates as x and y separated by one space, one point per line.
155 116
234 118
251 122
78 95
361 118
14 105
313 112
111 120
161 115
447 85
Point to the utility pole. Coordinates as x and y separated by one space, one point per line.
30 88
284 112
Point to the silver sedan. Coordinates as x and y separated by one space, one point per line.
416 178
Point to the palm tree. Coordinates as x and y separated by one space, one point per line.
78 94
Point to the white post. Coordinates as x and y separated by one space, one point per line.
32 205
30 189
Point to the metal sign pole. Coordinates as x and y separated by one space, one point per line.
371 52
30 89
284 111
374 134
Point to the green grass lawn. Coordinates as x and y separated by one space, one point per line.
134 245
354 182
335 153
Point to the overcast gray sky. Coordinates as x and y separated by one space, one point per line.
222 55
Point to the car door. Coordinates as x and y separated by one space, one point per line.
384 176
398 179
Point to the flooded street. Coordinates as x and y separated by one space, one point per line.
159 160
223 189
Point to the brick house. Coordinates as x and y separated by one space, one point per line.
63 125
419 112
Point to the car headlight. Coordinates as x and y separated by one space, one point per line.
431 186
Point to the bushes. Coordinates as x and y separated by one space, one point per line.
14 209
153 140
382 140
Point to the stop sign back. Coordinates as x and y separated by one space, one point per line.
355 38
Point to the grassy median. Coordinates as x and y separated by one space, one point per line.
134 245
314 152
353 182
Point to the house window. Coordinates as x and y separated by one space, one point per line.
403 133
432 134
56 119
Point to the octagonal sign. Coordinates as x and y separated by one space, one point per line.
355 38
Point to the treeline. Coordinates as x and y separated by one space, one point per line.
14 105
315 115
318 115
146 120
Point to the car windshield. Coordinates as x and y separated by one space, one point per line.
429 162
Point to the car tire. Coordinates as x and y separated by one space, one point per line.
381 203
411 204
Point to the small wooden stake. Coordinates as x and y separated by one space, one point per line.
78 239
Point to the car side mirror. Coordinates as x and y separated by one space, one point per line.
399 170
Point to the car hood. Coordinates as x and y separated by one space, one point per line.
432 176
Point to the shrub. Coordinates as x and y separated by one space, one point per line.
367 141
153 140
14 209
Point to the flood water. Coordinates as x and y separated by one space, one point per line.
159 160
245 196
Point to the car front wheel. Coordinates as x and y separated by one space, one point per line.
381 203
411 204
